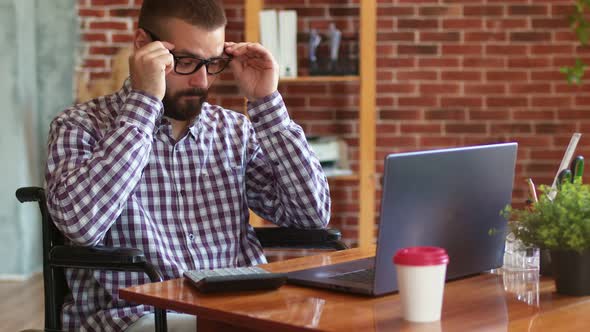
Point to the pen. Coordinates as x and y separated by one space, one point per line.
532 190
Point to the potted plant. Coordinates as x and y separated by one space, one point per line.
562 226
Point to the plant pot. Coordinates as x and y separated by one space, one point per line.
545 263
571 270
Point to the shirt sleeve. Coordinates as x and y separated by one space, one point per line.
90 175
285 182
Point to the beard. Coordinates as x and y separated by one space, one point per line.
184 110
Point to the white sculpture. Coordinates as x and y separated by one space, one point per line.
335 36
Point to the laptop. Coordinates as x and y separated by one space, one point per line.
449 198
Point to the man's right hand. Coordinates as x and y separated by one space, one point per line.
148 67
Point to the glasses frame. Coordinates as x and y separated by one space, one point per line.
202 62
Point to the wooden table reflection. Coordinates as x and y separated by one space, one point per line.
487 302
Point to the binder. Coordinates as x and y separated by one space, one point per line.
269 37
287 43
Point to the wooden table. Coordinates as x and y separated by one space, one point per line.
478 303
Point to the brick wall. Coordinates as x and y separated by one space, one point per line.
450 73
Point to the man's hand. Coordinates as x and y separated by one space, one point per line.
255 69
148 67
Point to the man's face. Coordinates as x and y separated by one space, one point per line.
185 94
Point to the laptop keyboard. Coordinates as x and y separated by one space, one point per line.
362 276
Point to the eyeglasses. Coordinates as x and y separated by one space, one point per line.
188 64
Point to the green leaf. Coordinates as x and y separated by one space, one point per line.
563 223
582 33
581 28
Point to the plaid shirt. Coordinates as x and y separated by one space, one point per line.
116 177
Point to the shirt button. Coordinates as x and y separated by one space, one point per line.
191 236
182 192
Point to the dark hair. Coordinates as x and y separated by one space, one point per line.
206 14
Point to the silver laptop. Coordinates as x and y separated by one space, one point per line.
449 198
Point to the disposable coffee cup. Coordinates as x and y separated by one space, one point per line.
421 282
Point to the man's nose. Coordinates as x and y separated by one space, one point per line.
199 79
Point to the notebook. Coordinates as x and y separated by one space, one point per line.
449 198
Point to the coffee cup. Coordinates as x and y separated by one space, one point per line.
421 280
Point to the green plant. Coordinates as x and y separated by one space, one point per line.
581 27
562 224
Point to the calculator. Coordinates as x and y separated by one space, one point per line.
234 279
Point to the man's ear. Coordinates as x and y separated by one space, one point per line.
140 39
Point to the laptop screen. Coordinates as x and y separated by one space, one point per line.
448 198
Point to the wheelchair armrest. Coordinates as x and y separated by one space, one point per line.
100 257
293 238
30 194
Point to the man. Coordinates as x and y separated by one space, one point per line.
154 166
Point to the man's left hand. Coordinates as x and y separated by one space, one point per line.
255 69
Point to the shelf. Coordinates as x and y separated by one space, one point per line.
367 107
343 177
327 79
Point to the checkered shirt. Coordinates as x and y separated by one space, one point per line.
116 177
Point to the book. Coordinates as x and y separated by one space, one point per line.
287 43
269 37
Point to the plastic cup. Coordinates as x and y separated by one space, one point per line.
421 281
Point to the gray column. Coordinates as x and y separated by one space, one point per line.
37 59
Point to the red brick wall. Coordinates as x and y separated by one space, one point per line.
450 73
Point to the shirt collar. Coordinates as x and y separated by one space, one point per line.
194 128
199 124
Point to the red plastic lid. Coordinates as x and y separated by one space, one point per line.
421 256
